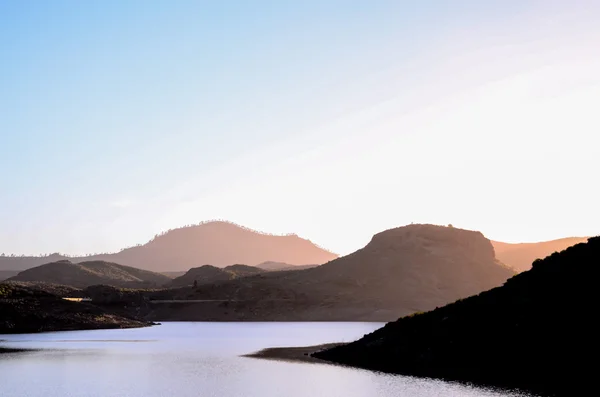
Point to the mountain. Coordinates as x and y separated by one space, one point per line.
210 274
218 243
84 274
4 274
271 266
25 310
520 256
401 271
536 332
18 263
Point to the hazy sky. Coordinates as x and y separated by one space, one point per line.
330 119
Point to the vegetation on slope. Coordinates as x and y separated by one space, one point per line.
90 273
26 310
535 332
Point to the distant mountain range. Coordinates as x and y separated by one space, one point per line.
535 332
401 271
219 244
84 274
278 266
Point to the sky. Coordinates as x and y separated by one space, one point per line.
331 119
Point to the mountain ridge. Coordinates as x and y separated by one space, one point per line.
219 243
401 271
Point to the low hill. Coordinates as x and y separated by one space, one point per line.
218 243
84 274
520 256
401 271
536 332
208 274
27 310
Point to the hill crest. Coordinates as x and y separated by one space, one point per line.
219 243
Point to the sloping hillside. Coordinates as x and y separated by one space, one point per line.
520 256
208 274
401 271
536 332
84 274
27 310
218 243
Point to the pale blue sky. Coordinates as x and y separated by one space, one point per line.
330 119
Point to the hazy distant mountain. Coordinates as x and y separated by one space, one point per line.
401 271
209 274
218 243
174 274
536 332
18 263
520 256
84 274
278 266
4 274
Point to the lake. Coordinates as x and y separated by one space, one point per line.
179 359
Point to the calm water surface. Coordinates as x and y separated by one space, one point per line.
198 359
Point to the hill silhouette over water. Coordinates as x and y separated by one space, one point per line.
217 243
537 332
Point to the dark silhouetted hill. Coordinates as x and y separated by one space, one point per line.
84 274
218 243
26 310
208 274
536 332
401 271
520 256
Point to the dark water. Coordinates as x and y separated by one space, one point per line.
198 359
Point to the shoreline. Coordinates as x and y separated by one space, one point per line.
5 350
294 354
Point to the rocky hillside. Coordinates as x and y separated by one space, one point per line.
535 332
25 310
520 256
401 271
218 243
84 274
208 274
